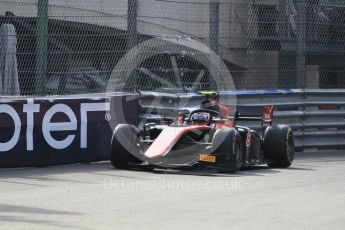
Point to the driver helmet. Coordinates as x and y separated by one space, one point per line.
200 118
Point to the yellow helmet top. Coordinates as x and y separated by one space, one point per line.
210 94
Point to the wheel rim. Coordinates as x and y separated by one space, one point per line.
290 148
238 153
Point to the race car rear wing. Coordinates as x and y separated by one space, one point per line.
264 114
255 113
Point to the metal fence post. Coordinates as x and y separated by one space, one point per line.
300 47
214 42
42 46
283 25
132 23
132 36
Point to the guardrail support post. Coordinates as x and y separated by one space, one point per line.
42 46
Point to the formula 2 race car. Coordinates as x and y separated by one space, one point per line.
207 137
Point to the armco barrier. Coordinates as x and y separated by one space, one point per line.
317 116
75 129
56 130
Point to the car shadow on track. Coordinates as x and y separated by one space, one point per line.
252 171
51 174
257 170
303 162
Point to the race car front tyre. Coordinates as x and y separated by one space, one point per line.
279 146
227 145
124 142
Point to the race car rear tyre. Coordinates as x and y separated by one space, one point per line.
124 141
279 146
227 143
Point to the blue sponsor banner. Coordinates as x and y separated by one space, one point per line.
51 131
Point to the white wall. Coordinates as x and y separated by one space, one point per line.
156 18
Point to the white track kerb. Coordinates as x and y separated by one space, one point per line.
197 51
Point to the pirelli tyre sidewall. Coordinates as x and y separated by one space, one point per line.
227 147
120 156
279 148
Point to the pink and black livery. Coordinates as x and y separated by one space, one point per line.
208 137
